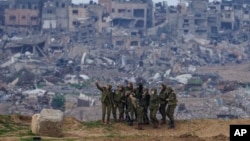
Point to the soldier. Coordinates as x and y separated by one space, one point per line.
172 102
129 106
145 103
106 101
139 109
163 96
138 95
153 107
119 101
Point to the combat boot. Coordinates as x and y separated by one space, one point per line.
130 122
171 125
107 121
115 119
163 121
139 127
155 125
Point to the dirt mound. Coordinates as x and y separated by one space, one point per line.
21 119
188 136
70 123
188 130
220 137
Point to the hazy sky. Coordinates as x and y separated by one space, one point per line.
170 2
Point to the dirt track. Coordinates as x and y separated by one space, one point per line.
232 72
190 130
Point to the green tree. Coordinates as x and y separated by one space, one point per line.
58 102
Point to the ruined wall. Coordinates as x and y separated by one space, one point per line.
129 12
26 4
107 4
21 17
3 5
195 24
76 13
98 12
123 38
55 14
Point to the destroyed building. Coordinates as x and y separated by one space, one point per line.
246 18
205 19
26 4
129 14
22 17
227 15
125 38
76 13
160 13
84 31
55 14
195 20
213 19
4 4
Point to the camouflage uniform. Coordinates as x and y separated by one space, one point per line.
163 96
153 107
138 96
172 102
119 101
129 106
106 102
139 109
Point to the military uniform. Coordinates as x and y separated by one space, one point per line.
138 95
119 101
130 111
139 109
163 96
172 102
145 103
153 107
106 102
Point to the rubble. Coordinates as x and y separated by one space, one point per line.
198 59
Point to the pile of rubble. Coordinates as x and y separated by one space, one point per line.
35 68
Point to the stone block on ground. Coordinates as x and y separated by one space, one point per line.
35 123
48 123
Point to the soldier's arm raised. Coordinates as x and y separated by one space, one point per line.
98 86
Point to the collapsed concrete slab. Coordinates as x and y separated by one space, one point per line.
48 123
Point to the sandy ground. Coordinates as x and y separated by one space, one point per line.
234 72
188 130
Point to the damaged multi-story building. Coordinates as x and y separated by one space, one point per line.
195 20
22 13
4 4
22 17
160 13
26 4
213 19
81 25
227 15
205 19
123 38
55 14
133 15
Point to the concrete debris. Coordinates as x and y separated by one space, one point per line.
48 123
36 92
194 52
84 100
182 78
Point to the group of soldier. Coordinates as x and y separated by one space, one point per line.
134 104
